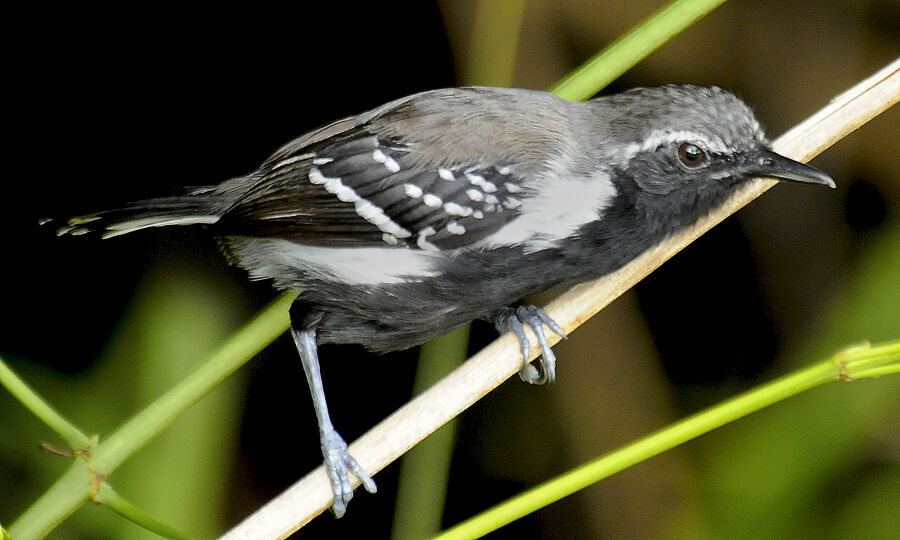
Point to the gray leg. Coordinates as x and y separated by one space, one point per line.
338 461
510 320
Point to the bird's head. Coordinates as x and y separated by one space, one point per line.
691 145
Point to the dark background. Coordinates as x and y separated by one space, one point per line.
105 107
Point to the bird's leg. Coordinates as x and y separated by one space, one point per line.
510 319
338 461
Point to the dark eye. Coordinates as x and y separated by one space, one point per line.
691 155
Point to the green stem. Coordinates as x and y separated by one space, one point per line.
74 487
632 47
47 414
847 365
56 504
425 470
107 496
235 352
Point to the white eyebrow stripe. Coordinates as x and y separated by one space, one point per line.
665 137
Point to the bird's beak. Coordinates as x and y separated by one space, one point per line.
767 163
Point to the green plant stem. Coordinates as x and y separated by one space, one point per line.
107 496
235 352
56 504
425 470
47 414
74 487
632 47
858 362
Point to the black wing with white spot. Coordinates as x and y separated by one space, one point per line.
356 189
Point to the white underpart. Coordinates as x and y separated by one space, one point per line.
366 210
385 160
267 258
554 214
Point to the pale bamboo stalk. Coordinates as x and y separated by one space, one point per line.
390 439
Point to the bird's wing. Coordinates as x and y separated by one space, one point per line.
345 185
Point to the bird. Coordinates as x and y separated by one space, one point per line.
404 222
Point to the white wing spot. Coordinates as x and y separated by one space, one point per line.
376 216
446 174
477 214
390 239
370 212
385 160
504 170
455 228
475 195
491 199
490 208
457 210
339 190
412 191
422 240
512 202
322 160
316 176
365 209
392 164
512 188
432 200
478 180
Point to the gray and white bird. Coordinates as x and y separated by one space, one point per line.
409 220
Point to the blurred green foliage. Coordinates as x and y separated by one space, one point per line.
176 318
825 464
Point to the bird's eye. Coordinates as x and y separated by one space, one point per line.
691 155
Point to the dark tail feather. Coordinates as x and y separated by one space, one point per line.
198 207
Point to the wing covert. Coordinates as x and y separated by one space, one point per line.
356 189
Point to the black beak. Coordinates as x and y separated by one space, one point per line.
768 164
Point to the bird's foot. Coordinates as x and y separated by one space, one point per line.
339 464
510 319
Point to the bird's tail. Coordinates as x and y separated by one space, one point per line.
201 206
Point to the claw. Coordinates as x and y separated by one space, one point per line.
339 464
510 320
